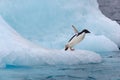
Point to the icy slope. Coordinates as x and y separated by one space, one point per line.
48 23
15 50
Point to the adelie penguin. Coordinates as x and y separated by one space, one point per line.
79 36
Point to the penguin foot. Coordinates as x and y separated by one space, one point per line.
72 49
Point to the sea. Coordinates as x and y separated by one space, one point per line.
108 69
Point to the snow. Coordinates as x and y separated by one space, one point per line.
16 50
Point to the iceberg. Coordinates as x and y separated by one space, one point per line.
37 20
16 50
97 43
44 28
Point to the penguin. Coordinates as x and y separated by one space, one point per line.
78 37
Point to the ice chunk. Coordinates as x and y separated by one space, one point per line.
98 43
16 50
50 57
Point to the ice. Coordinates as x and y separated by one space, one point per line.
41 20
48 26
99 43
34 32
16 50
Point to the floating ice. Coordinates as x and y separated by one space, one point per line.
49 57
15 50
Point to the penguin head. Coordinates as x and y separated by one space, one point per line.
86 31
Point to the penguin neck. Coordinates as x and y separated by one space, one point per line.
83 34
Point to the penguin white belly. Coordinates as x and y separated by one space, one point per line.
76 40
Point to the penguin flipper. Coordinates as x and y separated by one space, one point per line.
75 30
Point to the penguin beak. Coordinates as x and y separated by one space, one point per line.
88 32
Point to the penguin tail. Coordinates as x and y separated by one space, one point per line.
66 47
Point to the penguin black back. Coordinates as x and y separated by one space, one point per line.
84 30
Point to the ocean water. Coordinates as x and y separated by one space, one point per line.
108 69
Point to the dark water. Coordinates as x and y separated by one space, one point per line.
107 70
